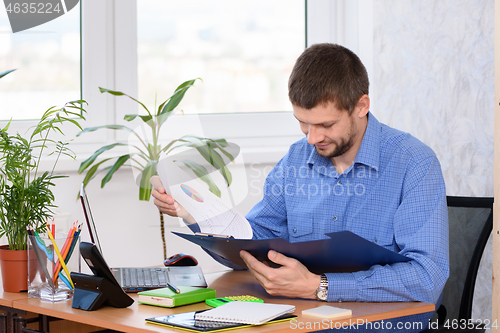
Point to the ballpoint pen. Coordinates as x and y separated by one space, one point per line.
173 288
212 235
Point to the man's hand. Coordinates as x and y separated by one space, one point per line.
166 203
292 279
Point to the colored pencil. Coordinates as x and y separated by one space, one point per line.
56 249
64 251
70 248
73 245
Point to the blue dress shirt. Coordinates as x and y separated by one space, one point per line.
393 195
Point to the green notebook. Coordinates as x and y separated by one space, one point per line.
167 298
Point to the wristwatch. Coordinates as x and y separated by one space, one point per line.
322 291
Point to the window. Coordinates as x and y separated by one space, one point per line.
242 50
47 63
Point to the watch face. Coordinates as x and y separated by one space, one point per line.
321 294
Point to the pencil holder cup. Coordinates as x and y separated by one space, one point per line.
48 278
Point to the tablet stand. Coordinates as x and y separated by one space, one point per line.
91 292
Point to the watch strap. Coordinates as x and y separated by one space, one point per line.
322 291
324 281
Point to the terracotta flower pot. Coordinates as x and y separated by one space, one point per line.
14 267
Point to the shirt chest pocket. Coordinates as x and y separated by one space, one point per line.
382 237
300 227
377 228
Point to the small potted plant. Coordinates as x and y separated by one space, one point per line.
26 197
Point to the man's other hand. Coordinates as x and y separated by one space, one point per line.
292 279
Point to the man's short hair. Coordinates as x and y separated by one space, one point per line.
328 73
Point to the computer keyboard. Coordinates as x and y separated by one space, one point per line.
147 277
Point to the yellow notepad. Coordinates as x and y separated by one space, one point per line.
327 311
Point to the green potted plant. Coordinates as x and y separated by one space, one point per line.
146 155
26 197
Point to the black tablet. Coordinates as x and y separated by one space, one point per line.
92 291
90 253
94 238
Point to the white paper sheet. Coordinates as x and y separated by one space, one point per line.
212 214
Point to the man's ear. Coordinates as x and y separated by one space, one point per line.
363 106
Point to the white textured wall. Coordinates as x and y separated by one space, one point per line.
434 73
434 78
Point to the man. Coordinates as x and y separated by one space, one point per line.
349 173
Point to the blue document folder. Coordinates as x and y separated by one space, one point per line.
342 252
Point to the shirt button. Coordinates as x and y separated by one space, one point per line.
339 182
294 230
334 218
374 240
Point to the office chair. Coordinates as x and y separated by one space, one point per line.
470 224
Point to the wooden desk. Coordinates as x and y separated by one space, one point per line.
228 283
6 298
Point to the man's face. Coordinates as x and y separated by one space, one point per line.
333 132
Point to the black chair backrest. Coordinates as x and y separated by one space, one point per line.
470 224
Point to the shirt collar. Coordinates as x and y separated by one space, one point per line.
368 152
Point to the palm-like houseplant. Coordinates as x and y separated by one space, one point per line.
26 198
144 157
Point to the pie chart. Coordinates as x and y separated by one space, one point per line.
191 193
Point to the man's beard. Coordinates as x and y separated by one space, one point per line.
340 148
